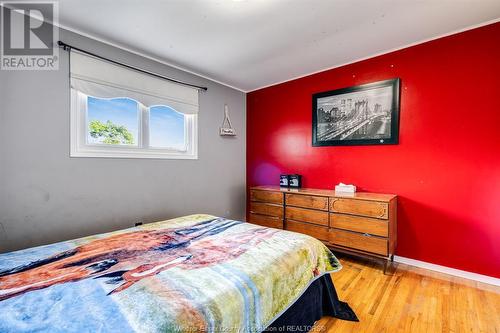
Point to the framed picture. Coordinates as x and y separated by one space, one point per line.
367 114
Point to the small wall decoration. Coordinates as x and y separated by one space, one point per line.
367 114
283 180
227 129
294 181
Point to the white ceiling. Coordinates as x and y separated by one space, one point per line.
248 44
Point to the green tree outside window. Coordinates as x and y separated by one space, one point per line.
110 133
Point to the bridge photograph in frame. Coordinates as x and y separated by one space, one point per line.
366 114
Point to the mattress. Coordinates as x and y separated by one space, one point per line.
190 274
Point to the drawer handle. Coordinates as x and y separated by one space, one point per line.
384 211
333 203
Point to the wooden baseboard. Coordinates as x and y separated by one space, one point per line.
448 270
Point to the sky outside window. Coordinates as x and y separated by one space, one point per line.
117 111
166 128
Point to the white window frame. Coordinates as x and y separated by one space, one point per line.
81 148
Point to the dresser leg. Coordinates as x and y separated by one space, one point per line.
387 263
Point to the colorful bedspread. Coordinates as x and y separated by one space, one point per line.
190 274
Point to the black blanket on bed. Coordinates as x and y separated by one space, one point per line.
319 300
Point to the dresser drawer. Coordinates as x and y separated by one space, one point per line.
307 215
360 224
315 231
360 207
266 221
266 196
358 241
266 209
306 201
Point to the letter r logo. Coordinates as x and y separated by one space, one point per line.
27 28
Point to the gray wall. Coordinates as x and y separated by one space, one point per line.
46 196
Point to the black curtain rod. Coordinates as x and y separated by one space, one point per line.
69 47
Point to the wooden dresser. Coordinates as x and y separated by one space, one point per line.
361 224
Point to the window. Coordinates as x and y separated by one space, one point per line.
167 128
116 112
112 121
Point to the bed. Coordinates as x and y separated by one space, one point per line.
197 273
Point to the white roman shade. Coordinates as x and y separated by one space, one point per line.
100 78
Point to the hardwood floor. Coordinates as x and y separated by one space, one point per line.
410 299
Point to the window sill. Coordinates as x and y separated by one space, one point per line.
134 154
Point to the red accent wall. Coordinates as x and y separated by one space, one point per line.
446 168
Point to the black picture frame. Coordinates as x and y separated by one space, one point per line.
342 128
294 181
